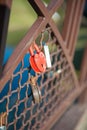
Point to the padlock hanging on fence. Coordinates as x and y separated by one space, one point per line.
37 60
35 90
46 49
3 117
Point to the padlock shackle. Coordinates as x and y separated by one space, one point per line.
31 51
36 47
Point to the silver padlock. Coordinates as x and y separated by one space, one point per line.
2 127
35 90
56 73
47 55
36 94
3 121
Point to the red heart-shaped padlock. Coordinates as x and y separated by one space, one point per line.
32 63
37 60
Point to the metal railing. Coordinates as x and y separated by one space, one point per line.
59 85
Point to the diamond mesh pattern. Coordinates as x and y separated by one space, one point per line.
16 98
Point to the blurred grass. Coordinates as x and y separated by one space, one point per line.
22 17
81 44
82 38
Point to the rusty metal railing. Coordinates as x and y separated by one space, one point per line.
59 85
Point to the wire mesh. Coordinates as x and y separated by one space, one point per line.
55 84
16 98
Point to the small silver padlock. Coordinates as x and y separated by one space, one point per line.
3 121
35 90
2 127
36 94
59 71
56 73
47 55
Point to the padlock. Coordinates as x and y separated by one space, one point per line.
36 94
54 73
2 127
3 121
35 90
47 55
32 62
37 60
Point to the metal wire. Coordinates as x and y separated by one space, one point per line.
55 84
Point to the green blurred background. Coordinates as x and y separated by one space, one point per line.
23 16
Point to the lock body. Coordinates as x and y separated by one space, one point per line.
35 90
37 60
33 65
36 94
40 61
2 127
3 117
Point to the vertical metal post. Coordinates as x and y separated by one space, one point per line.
83 67
83 74
5 6
72 24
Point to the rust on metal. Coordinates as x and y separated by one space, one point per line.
5 6
59 85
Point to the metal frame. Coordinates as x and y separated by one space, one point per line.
4 18
66 41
